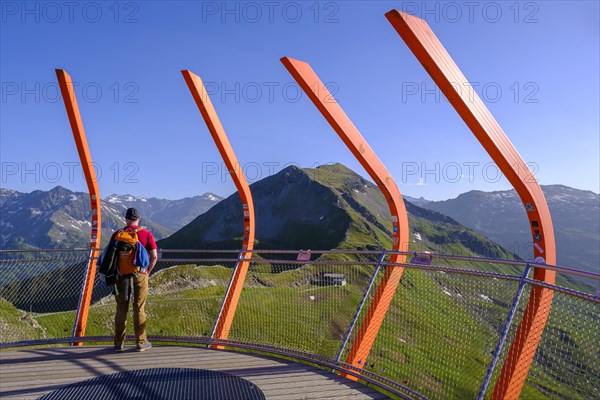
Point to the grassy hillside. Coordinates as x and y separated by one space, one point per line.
17 325
48 290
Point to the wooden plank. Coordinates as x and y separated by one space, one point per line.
157 352
41 382
91 370
134 362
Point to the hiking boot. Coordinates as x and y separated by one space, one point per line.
144 346
119 347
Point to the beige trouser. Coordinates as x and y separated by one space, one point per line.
139 294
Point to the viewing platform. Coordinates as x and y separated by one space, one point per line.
29 374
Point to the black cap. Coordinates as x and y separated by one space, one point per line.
132 214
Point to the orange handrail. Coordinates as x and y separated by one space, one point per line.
333 113
70 100
225 319
421 40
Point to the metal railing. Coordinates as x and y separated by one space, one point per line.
445 335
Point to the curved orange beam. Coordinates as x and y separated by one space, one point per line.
421 40
339 121
213 123
68 95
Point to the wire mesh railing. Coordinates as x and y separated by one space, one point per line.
300 306
566 363
441 334
36 284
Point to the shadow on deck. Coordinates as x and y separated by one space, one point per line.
29 374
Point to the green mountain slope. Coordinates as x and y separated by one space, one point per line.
17 325
291 210
49 290
325 208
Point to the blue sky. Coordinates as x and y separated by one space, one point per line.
535 64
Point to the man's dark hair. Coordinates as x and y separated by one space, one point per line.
132 214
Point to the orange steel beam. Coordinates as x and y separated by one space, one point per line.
339 121
213 123
421 40
68 95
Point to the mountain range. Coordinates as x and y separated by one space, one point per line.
59 218
322 208
501 217
330 207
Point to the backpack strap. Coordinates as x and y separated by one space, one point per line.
136 230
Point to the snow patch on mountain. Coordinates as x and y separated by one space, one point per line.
113 199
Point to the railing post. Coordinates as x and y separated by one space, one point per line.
80 302
325 102
226 296
430 52
504 334
217 132
360 307
68 94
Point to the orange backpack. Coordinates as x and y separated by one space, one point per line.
126 242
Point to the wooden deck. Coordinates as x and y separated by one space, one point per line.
28 374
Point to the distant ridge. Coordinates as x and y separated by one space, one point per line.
172 214
501 217
60 218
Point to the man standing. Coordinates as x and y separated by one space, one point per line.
133 282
